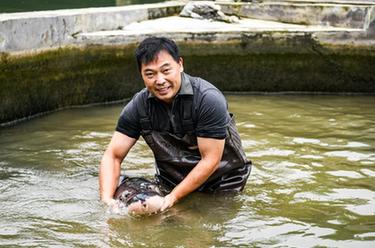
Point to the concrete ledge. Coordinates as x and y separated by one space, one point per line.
50 29
340 14
35 31
267 36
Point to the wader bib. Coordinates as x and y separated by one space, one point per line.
177 154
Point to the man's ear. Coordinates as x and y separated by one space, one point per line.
181 63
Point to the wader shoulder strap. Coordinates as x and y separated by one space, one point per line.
144 119
187 114
186 110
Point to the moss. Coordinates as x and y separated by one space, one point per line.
4 57
286 72
50 80
65 77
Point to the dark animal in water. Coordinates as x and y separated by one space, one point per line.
139 195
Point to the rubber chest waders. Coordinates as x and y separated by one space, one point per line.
177 154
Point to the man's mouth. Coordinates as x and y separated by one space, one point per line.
163 90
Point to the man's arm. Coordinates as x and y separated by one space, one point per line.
211 151
110 166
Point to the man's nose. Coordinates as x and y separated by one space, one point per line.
160 78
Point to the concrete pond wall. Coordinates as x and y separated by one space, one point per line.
48 63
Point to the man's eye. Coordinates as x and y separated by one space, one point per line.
149 75
167 70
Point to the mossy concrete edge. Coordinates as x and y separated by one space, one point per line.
99 74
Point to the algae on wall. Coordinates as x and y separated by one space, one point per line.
71 76
287 72
296 64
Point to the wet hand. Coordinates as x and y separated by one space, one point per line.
109 201
169 201
112 205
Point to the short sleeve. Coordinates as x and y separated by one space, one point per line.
212 115
128 122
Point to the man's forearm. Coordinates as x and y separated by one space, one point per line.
110 166
211 152
201 172
109 174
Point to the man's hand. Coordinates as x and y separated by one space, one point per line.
169 201
112 205
109 201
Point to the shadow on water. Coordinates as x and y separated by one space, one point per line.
311 184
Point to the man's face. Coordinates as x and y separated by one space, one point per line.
162 76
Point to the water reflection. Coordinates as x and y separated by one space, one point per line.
312 183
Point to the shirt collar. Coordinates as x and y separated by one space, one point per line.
185 89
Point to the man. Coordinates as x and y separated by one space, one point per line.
185 122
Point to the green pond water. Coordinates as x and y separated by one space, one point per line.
312 184
7 6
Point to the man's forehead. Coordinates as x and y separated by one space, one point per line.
154 66
161 59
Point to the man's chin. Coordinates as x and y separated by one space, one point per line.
166 98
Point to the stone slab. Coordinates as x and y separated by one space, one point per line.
184 29
339 14
50 29
35 31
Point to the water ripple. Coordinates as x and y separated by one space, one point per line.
270 152
343 173
350 155
358 201
312 182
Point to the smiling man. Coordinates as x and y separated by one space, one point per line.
185 122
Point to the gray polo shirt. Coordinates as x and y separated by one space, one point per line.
209 113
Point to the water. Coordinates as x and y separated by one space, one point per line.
7 6
312 182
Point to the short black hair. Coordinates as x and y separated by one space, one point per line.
149 48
